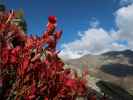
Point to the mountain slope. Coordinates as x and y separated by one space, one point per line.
115 67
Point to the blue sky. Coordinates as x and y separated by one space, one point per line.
84 16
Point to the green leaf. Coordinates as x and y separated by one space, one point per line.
11 82
1 90
41 98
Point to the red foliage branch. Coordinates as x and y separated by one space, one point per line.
32 70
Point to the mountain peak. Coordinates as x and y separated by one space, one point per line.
126 52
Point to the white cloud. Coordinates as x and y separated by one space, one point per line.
116 46
94 40
124 21
125 2
94 22
97 40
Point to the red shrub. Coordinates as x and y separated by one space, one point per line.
33 70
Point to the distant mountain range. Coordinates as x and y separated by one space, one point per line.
115 67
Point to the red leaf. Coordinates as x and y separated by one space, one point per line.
58 35
52 19
4 55
70 83
46 98
50 28
14 55
24 65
